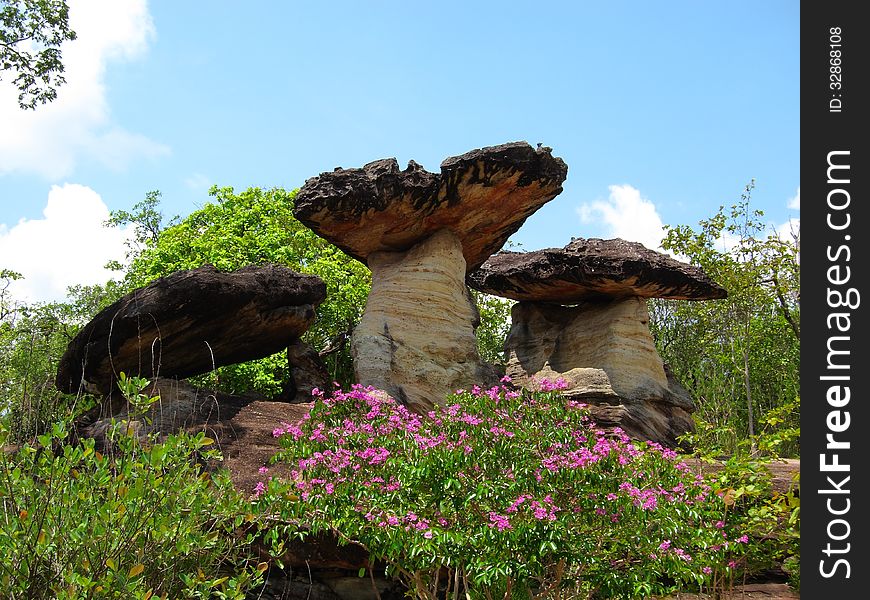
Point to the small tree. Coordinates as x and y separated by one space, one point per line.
740 356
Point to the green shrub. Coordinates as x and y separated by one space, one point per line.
142 521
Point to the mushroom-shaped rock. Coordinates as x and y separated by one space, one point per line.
588 269
420 233
483 196
191 322
601 346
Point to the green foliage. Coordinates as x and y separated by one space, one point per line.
143 522
495 323
7 304
32 340
147 222
31 33
253 227
505 493
740 357
770 517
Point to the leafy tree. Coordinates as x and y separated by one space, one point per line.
495 323
7 304
147 222
31 34
739 356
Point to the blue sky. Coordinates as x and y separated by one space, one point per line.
662 110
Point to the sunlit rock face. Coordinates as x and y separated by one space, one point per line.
605 354
416 338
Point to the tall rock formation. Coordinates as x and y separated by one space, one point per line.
420 233
582 317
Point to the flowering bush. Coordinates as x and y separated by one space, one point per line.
501 491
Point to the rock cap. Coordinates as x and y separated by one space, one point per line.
483 196
590 269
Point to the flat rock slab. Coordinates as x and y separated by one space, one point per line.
592 268
247 443
483 196
191 322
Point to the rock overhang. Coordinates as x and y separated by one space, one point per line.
482 196
191 321
592 269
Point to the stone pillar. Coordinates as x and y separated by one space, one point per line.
606 354
416 338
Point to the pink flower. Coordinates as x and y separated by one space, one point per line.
665 545
262 470
706 570
743 539
428 535
259 489
498 521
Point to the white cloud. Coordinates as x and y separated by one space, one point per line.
78 125
68 246
198 182
795 203
627 215
789 230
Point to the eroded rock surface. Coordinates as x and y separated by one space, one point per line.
190 322
592 269
416 338
483 196
605 353
307 372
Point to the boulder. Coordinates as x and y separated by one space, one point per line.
605 353
189 323
416 338
483 196
587 269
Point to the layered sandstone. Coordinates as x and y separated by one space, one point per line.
416 338
607 357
